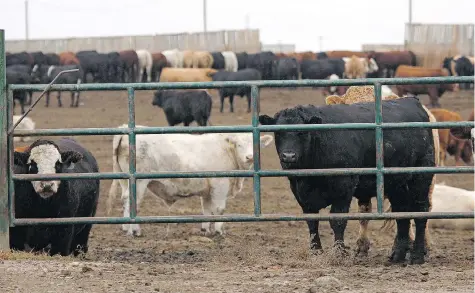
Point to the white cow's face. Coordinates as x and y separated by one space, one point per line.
244 147
373 66
46 158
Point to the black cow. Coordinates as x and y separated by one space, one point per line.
324 149
39 58
323 68
47 74
286 69
321 55
52 59
240 75
18 77
184 106
242 60
27 70
19 58
94 63
263 62
462 67
55 199
218 60
115 67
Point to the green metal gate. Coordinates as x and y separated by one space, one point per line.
7 215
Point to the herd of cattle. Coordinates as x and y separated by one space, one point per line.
414 147
194 66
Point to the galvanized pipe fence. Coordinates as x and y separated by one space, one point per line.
7 209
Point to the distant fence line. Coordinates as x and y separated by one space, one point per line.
433 42
382 47
237 41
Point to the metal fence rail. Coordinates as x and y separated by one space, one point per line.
7 212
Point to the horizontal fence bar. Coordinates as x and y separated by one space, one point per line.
240 128
242 218
234 84
244 173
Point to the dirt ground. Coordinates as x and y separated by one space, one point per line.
253 257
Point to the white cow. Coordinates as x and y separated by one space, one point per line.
145 63
184 152
370 65
25 124
174 58
230 61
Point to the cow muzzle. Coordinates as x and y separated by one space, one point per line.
46 188
288 157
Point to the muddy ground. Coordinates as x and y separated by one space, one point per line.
253 257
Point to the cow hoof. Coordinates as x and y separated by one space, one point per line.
362 247
316 251
125 227
398 256
417 259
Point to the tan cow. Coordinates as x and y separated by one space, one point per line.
187 59
186 74
358 94
202 59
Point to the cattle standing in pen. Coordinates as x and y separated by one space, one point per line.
323 149
240 75
47 74
55 198
18 77
286 69
184 106
145 66
189 153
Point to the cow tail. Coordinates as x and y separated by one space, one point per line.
413 58
388 223
116 144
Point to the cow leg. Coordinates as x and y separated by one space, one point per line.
72 99
141 187
47 99
77 99
459 145
79 244
363 243
399 198
339 226
221 97
206 209
59 99
62 240
231 103
434 97
248 96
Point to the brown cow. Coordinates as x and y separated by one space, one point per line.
68 58
187 59
459 148
21 149
186 74
130 62
389 61
342 54
280 55
465 132
433 90
308 55
159 62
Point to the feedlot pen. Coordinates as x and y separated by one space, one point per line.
264 257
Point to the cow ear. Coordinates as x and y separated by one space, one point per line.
20 158
266 140
230 139
313 120
69 158
266 120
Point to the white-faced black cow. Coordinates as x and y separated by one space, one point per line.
55 198
325 149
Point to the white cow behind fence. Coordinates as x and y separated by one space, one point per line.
184 152
25 124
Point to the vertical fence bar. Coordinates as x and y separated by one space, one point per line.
379 146
132 152
11 186
256 134
4 215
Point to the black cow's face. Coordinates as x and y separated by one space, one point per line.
44 157
291 146
158 99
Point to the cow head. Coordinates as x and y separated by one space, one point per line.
45 157
292 146
158 98
372 66
243 145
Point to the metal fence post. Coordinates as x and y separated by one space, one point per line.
379 146
132 157
256 139
4 214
